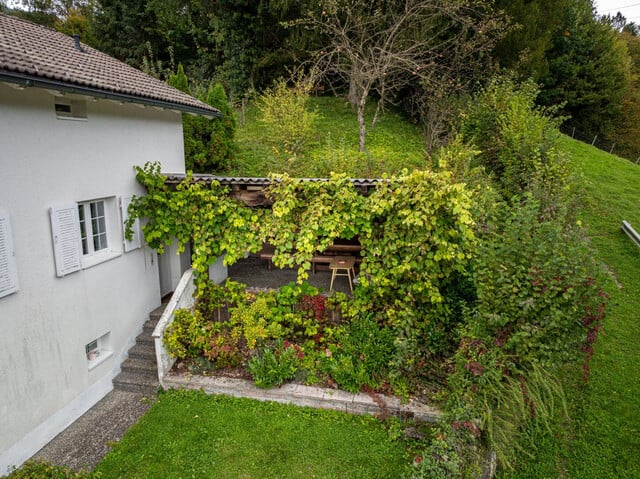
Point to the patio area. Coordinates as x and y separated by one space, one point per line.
255 272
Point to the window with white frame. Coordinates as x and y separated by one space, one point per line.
88 233
93 227
98 350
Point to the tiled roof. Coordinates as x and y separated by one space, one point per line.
33 55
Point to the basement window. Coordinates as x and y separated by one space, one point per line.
98 350
68 109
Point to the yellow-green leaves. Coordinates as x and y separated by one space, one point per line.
193 213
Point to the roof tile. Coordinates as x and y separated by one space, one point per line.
31 50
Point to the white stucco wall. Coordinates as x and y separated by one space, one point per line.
44 161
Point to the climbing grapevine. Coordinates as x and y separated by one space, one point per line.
307 216
420 238
194 212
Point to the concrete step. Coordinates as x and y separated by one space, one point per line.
149 326
156 313
143 351
144 338
142 366
134 382
139 370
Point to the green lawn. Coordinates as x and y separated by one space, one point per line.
603 438
391 145
192 435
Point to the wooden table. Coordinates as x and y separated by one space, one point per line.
342 266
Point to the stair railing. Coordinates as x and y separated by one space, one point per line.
181 298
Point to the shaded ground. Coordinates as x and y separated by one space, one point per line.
255 272
85 442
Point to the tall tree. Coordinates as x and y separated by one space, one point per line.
254 44
589 70
626 133
208 142
125 28
532 28
383 46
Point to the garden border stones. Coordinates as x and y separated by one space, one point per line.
300 395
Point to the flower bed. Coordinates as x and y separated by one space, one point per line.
294 333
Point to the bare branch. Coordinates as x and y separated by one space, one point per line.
385 47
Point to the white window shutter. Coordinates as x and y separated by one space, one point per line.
8 269
67 247
135 242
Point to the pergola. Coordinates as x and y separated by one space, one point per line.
251 191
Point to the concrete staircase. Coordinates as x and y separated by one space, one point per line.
139 373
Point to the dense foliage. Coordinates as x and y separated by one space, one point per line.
285 115
588 71
194 214
539 306
517 142
485 291
34 469
209 145
424 55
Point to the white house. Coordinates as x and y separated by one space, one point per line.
73 292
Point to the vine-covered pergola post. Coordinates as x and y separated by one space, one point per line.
197 213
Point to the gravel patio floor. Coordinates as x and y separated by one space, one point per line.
255 272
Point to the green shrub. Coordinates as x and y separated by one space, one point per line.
440 460
517 140
538 298
420 235
359 355
186 336
258 320
285 116
538 312
193 336
208 142
274 366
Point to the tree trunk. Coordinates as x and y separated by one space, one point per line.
363 128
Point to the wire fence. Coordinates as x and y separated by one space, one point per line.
595 140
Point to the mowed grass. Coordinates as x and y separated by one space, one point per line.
602 439
392 144
188 434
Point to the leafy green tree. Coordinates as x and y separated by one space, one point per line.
588 70
123 29
524 47
626 134
222 147
208 142
241 44
517 141
253 42
179 80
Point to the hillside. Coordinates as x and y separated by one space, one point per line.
603 438
392 144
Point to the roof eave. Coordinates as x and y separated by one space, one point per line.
27 80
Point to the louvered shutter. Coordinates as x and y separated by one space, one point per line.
67 246
8 270
135 242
